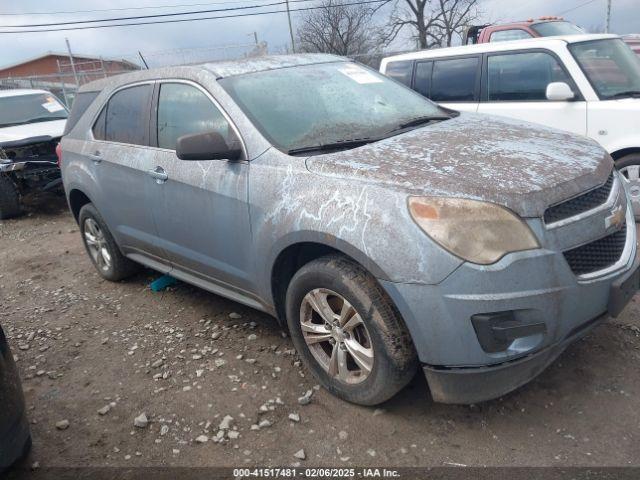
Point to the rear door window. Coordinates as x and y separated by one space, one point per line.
455 80
523 76
99 125
422 78
400 71
126 116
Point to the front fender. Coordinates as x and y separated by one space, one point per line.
369 222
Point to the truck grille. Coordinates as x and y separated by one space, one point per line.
597 255
579 204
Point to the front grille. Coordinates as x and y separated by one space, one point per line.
597 255
579 204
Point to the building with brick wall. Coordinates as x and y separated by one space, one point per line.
52 63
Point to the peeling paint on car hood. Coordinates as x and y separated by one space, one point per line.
522 166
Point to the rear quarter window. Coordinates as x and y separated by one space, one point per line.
400 71
80 105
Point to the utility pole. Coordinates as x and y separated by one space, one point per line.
73 65
293 44
607 24
255 36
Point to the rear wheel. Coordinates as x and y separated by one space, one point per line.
348 332
102 248
629 166
9 198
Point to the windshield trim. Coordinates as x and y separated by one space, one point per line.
584 72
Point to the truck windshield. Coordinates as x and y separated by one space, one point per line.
30 108
611 67
302 107
549 29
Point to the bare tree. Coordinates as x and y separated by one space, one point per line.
419 16
454 16
432 22
337 29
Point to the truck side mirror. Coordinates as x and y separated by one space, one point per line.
559 92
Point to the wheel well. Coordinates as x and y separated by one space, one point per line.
624 152
289 261
77 200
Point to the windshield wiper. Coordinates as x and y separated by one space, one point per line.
339 145
628 93
34 120
414 122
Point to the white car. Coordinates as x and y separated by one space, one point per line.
31 124
586 84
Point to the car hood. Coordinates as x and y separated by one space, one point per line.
523 166
52 129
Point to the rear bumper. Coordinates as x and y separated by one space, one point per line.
477 384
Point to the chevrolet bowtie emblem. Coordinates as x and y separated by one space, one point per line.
616 219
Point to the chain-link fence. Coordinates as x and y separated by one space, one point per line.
66 81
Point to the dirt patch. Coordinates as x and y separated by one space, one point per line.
187 359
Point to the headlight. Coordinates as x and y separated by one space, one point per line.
476 231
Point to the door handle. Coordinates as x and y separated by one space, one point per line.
159 174
96 157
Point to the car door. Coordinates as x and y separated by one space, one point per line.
515 84
203 213
455 82
120 160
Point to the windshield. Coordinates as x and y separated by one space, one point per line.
31 108
610 65
549 29
311 105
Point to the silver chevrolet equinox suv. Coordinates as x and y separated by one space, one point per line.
386 232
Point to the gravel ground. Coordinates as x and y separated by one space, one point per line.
117 375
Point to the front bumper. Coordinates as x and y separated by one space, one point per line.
535 287
477 384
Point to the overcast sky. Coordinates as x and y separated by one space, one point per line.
155 39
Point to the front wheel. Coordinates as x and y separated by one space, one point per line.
629 167
9 198
348 332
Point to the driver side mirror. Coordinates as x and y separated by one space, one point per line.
207 146
559 92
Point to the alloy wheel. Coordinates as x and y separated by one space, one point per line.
336 336
97 244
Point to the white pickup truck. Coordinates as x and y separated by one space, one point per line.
31 124
586 84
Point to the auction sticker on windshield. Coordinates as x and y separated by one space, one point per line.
52 105
359 74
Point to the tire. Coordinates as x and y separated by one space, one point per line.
104 253
625 165
9 198
336 282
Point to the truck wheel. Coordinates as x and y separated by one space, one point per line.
348 332
9 198
629 166
102 248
